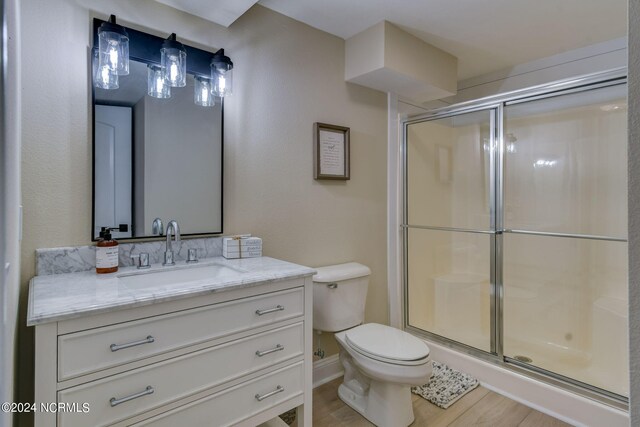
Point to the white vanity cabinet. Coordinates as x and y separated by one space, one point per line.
234 357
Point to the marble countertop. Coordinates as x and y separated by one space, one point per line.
64 296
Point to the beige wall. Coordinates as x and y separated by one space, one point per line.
288 75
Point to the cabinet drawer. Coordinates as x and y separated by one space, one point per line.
101 348
154 385
237 403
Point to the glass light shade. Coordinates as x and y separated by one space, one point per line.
113 48
157 84
174 61
222 81
104 77
202 92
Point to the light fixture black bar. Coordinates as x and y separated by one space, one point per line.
145 48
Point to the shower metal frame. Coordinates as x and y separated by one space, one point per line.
495 106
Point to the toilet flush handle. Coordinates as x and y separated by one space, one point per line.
332 285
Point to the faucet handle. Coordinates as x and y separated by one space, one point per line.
192 255
144 260
141 261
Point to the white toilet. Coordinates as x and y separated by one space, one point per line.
381 363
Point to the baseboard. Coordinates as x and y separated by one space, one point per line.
566 406
532 405
327 369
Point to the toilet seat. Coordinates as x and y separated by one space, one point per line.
387 344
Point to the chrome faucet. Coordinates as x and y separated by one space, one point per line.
172 228
157 227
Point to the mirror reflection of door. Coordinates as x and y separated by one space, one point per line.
113 186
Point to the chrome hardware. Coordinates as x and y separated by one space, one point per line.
270 310
273 350
192 255
461 230
168 259
332 285
279 389
114 402
157 227
141 261
571 236
172 228
144 260
148 340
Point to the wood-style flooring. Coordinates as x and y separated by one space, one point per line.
479 407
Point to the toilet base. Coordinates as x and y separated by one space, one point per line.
380 391
384 404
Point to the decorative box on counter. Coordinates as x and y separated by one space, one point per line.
241 247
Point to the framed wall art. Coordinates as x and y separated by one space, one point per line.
330 152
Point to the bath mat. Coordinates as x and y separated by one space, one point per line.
446 386
289 417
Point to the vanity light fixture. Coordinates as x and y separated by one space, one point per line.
173 60
221 74
103 76
113 47
202 92
167 63
157 84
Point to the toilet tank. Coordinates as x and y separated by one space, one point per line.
339 296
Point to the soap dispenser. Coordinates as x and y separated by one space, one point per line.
106 252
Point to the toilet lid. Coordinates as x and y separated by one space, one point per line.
386 343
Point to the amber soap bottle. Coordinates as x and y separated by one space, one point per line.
106 253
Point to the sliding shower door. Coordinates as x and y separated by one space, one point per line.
565 250
450 226
515 232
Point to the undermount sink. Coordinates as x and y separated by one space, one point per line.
177 275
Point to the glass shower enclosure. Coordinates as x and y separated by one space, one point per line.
515 231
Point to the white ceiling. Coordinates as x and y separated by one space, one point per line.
223 12
485 35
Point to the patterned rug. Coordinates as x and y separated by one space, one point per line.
289 417
446 386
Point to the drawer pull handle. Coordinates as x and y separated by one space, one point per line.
148 340
270 310
114 402
279 389
273 350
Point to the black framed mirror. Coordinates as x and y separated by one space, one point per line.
153 157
